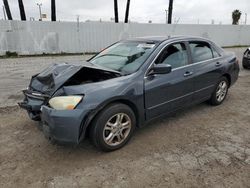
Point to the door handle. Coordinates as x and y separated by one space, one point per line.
218 64
188 73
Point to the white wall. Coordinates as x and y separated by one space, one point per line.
68 37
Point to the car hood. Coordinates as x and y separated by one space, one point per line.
55 76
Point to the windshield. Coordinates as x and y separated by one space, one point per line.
125 57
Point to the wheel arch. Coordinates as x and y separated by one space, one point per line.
90 117
226 75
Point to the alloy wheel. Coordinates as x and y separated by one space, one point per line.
221 91
117 129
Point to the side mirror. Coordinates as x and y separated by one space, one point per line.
161 69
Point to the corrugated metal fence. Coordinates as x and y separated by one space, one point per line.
33 37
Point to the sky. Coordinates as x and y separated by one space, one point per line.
185 11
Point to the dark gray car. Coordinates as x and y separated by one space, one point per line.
125 86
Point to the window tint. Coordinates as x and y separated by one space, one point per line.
174 55
201 51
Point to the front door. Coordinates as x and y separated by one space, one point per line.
168 92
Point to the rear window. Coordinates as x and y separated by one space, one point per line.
201 51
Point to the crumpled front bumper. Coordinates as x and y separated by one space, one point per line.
32 103
62 126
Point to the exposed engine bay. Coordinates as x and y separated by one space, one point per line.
90 75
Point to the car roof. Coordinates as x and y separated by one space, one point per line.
157 39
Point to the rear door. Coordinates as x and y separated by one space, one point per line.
208 68
167 92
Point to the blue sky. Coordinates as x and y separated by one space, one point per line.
191 11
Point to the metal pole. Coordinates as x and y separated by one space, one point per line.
245 18
78 22
4 14
166 16
40 10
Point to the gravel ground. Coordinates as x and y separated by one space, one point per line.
202 146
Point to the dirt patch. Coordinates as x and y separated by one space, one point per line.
202 146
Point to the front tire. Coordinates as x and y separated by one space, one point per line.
113 127
220 92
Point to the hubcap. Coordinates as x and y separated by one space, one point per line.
117 129
221 91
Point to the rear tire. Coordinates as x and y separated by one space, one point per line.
220 92
245 67
113 127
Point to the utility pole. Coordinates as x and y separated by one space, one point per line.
170 11
40 10
4 14
166 15
78 22
245 18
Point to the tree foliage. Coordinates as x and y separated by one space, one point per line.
236 14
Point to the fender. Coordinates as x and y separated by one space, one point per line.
140 117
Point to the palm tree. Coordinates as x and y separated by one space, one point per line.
116 11
7 9
127 11
22 11
53 10
236 14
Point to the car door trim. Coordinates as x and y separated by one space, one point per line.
210 86
155 106
177 98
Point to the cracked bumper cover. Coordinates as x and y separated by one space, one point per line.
63 126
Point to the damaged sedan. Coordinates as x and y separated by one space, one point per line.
127 85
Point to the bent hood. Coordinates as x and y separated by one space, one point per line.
53 77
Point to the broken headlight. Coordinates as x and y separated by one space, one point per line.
65 102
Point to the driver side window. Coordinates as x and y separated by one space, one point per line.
175 55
